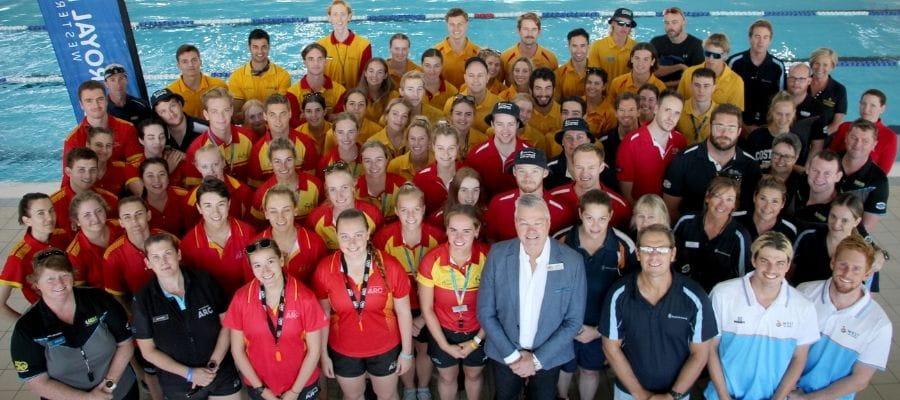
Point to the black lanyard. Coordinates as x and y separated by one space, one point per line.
276 331
358 305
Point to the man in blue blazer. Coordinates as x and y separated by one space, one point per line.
530 303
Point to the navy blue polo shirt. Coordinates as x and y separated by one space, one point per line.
805 216
656 338
689 52
187 335
135 109
195 127
785 227
831 100
616 258
761 83
558 168
710 261
870 184
690 172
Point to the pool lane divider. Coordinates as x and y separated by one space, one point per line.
188 23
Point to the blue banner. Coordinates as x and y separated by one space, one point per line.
88 35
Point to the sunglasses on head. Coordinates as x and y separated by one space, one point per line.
113 70
48 253
313 95
594 70
338 165
708 54
260 244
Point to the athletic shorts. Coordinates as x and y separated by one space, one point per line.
442 359
379 365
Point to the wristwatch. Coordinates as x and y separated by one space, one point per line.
477 340
678 396
259 390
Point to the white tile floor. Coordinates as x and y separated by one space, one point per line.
885 385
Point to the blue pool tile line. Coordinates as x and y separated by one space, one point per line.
186 23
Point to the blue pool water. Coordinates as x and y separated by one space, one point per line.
36 117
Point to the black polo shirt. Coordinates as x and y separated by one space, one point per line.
195 128
100 323
781 225
807 108
870 184
188 336
616 258
689 52
656 338
611 141
811 259
689 174
759 145
558 169
710 261
806 216
761 83
831 100
134 111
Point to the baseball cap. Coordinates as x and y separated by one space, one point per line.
529 156
113 69
574 124
623 13
164 95
504 107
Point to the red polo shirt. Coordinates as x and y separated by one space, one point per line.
177 215
118 176
376 330
260 169
486 160
229 266
241 198
18 264
386 200
321 221
63 197
236 153
500 216
435 192
332 156
124 271
390 239
308 249
87 258
309 191
639 161
435 272
125 140
885 152
302 314
566 196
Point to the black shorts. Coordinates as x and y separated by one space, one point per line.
441 359
308 393
588 356
424 335
350 367
227 382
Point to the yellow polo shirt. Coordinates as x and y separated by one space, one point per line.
455 63
695 127
625 83
601 118
245 86
568 81
481 109
729 86
613 59
192 104
331 91
401 165
396 75
445 91
346 58
367 130
543 57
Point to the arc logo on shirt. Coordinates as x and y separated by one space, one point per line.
292 314
784 324
204 311
376 290
849 332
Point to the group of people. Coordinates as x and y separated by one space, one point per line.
658 208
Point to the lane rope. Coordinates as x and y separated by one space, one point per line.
189 23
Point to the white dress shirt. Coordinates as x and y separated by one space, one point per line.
531 296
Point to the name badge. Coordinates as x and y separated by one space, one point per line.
160 318
692 245
555 267
460 308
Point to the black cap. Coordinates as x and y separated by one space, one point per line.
529 156
623 13
574 124
113 69
164 95
504 107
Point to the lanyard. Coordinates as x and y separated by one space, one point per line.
276 331
696 128
460 293
419 252
212 138
358 305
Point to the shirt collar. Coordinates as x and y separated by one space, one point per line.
346 41
857 309
542 259
784 295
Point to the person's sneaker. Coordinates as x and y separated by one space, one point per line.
409 394
423 394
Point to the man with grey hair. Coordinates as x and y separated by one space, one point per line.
526 280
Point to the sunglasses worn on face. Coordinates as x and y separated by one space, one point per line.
620 22
708 54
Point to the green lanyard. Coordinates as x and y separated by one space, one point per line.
460 294
420 253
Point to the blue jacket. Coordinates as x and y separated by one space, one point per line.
562 309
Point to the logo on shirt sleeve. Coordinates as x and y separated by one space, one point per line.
21 366
204 311
880 206
667 184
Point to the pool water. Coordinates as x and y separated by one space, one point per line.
37 117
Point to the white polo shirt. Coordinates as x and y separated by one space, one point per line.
860 333
756 343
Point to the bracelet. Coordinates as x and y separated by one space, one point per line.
190 375
406 356
474 345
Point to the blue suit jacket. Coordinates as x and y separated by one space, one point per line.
561 313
